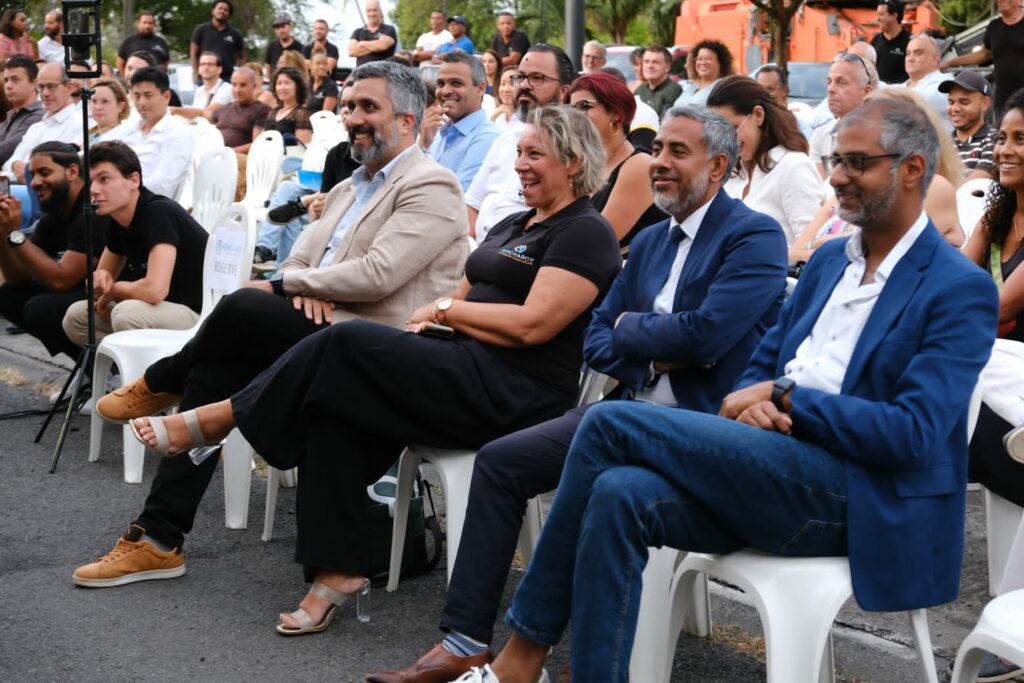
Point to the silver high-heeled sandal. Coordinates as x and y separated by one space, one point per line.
337 599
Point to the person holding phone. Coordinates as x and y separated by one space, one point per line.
343 403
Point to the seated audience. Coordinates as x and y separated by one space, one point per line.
774 175
150 275
108 108
366 390
676 335
492 71
43 274
23 108
140 60
658 91
323 91
706 63
850 78
624 197
162 144
61 121
456 132
382 264
505 97
212 94
850 420
595 56
925 76
775 80
636 60
968 101
14 37
237 121
290 118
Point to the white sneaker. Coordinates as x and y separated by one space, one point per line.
484 675
1014 442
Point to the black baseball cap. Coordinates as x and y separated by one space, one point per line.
968 80
458 19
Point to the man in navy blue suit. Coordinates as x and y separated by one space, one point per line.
676 329
845 436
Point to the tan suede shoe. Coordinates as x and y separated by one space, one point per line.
134 400
131 560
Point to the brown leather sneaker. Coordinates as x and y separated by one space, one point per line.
134 400
437 666
131 560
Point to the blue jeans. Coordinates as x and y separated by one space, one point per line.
280 238
640 475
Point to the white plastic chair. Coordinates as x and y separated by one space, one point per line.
998 631
135 350
207 138
262 172
797 599
323 120
970 204
215 184
1004 525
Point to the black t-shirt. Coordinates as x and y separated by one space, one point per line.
275 50
159 220
519 42
330 48
1007 46
502 270
651 215
892 56
154 45
56 233
328 88
338 166
363 33
226 44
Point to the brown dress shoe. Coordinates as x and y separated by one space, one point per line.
437 666
134 400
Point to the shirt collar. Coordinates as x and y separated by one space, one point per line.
691 224
361 177
467 124
855 248
161 125
63 114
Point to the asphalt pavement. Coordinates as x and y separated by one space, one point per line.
216 623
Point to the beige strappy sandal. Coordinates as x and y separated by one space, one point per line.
337 599
160 432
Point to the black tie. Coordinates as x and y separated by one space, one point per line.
676 234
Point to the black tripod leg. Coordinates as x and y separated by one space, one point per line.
74 403
79 369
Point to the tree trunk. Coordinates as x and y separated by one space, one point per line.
781 39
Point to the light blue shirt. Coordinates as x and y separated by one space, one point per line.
364 188
461 146
463 43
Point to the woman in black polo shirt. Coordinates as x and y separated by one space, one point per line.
344 402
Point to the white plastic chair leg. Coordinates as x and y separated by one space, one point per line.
236 459
691 600
289 478
997 631
134 456
100 371
456 472
273 484
654 645
923 644
408 465
1002 520
530 532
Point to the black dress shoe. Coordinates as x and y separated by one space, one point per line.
437 666
286 213
262 255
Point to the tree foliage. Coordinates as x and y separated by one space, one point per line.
958 15
780 15
413 18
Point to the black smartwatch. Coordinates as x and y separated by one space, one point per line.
782 386
277 283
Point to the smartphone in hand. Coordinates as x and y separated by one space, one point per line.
439 331
5 186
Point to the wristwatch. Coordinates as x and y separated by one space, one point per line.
16 238
441 307
277 283
782 386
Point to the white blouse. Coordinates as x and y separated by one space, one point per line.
791 193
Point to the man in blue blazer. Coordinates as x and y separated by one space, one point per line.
677 328
846 435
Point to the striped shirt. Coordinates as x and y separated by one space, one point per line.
976 151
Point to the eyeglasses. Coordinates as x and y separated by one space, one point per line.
49 87
853 165
585 105
536 80
853 57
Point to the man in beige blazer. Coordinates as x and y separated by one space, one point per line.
391 238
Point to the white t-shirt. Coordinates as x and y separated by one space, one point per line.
429 42
496 191
221 94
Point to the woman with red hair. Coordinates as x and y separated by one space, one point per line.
625 198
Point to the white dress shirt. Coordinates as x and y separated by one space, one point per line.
791 192
928 88
221 94
823 141
661 393
822 358
50 50
165 153
64 126
496 191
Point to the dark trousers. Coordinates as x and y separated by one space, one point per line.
244 335
507 472
344 402
39 311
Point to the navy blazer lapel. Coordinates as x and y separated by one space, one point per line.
906 277
721 206
661 258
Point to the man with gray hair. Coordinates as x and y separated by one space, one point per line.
390 239
676 329
455 131
922 66
850 79
595 56
845 435
60 123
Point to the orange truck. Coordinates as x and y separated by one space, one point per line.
819 30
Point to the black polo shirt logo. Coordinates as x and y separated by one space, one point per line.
517 254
